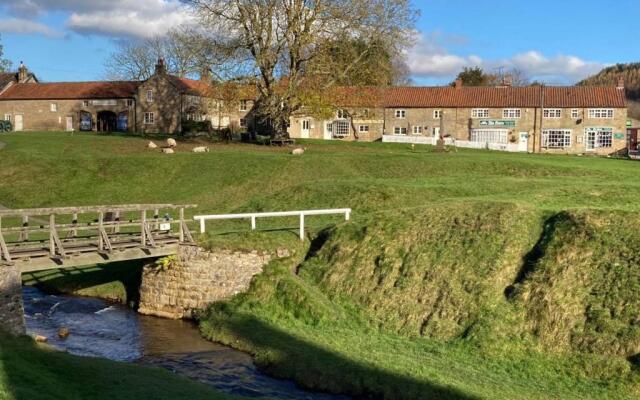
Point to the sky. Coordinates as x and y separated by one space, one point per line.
553 41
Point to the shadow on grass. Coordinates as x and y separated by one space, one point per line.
285 356
71 280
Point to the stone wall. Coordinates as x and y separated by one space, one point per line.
11 307
196 279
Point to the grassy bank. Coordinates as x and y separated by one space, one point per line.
32 372
469 274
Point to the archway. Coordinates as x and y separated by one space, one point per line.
107 121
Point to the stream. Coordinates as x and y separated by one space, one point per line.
102 329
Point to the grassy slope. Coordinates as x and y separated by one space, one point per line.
29 372
320 326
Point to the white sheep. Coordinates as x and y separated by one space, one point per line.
298 151
167 151
152 145
171 142
201 149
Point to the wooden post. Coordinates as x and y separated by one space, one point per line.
52 227
143 233
100 227
24 236
4 251
74 221
301 226
156 213
181 225
253 222
116 229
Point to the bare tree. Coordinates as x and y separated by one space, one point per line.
518 77
276 40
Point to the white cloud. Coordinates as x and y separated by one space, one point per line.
429 59
114 18
26 27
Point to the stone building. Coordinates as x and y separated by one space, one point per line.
534 119
161 104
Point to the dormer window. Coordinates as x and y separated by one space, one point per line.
401 113
342 114
149 96
244 105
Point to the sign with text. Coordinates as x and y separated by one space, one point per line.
497 122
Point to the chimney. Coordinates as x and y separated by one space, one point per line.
23 73
458 83
205 74
621 83
160 67
507 81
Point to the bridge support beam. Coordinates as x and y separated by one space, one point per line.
11 305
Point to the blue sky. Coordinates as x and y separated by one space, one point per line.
558 42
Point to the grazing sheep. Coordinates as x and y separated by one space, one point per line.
167 151
152 145
171 142
297 152
201 149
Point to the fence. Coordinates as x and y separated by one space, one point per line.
510 147
254 216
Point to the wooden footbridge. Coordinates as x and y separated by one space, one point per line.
47 238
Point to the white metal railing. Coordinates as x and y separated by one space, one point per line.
253 216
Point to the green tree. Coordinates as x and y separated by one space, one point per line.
5 64
475 76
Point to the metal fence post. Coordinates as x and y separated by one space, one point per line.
301 226
253 222
202 227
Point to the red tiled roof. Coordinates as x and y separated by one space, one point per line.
71 90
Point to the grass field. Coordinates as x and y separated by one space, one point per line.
468 274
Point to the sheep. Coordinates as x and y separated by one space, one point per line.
201 149
167 151
171 142
152 145
298 151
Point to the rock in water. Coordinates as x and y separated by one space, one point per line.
63 333
41 339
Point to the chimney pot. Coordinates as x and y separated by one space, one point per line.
160 67
23 73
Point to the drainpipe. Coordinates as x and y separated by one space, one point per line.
541 117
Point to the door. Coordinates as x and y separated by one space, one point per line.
18 123
328 130
523 143
69 124
590 139
304 132
436 133
633 141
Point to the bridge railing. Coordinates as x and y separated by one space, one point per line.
64 231
254 216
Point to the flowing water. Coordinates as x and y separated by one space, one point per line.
102 329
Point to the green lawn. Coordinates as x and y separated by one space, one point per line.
468 274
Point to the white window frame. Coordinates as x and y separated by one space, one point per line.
552 113
546 136
601 113
306 125
480 113
575 113
401 114
7 117
85 103
53 107
149 118
511 113
342 129
400 131
602 138
363 128
342 114
416 130
243 122
489 136
149 96
244 105
129 102
437 114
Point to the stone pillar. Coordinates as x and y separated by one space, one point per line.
195 279
11 307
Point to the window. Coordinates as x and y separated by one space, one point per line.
399 130
149 118
599 138
342 114
129 102
342 129
480 113
329 127
305 124
363 128
54 107
104 102
556 138
365 112
400 113
552 113
243 122
489 135
575 113
417 130
7 117
601 113
437 114
85 103
149 96
243 105
511 113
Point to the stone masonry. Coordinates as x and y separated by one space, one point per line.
196 279
11 307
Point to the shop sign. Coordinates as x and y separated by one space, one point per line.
497 122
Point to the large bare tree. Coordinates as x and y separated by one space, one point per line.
276 41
